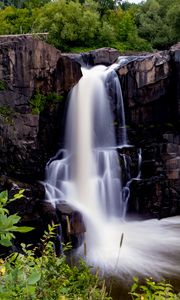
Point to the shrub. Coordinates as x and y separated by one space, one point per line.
40 101
48 277
2 85
152 290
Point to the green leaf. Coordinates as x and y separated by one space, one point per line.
134 287
136 279
19 195
34 277
24 229
5 242
14 219
4 195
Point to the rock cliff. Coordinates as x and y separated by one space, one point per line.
150 84
29 66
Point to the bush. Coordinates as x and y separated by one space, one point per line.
40 101
152 290
48 277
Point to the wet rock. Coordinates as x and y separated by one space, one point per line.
157 194
145 84
150 85
102 56
73 227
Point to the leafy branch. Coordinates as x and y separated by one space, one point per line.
8 223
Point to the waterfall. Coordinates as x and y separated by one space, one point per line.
86 174
89 173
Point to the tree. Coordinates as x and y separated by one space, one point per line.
126 33
173 17
105 5
25 3
14 20
158 22
72 24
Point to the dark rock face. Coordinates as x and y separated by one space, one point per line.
102 56
150 85
27 141
175 55
157 194
146 85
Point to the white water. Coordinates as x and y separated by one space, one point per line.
87 175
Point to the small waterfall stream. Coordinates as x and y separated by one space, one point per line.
87 176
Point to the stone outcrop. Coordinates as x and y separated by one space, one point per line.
102 56
146 88
157 193
27 66
150 86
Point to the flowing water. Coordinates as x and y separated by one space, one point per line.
87 175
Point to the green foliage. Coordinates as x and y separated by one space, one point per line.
72 24
37 103
126 32
2 85
95 23
53 98
40 101
158 22
105 5
26 276
69 24
173 18
6 112
8 223
152 290
23 3
14 20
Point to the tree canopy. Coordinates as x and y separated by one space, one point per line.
72 24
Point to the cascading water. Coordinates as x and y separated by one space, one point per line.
87 175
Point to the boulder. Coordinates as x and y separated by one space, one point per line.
102 56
